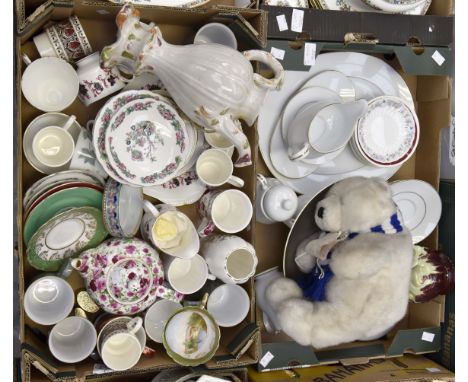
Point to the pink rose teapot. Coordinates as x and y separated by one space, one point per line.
124 276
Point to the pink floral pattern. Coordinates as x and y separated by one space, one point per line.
124 276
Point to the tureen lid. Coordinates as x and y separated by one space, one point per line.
280 203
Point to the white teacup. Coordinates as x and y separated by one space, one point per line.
169 230
53 146
228 304
48 300
219 141
214 168
230 258
186 276
216 33
121 342
49 83
72 339
96 82
156 317
230 211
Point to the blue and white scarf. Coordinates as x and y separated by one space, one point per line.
314 284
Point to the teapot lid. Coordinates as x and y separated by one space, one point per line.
280 203
129 281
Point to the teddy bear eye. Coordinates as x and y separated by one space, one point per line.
320 212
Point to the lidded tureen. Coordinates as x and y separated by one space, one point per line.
124 276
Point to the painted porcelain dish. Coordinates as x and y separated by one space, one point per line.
166 3
181 190
361 6
191 336
65 235
288 3
388 133
102 121
58 202
122 208
420 206
60 177
146 142
58 188
123 276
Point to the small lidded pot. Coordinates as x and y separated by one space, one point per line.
275 201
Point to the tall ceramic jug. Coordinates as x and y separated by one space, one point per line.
212 84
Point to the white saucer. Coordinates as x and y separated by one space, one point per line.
335 81
420 206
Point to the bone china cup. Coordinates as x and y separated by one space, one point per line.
214 168
72 339
48 300
228 304
49 83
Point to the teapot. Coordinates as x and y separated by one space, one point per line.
214 85
123 276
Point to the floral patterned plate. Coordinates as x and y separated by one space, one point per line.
65 235
181 190
146 142
388 134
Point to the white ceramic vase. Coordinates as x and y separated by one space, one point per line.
213 84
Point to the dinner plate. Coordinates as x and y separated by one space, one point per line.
335 81
57 187
60 201
60 177
103 118
365 89
420 206
181 190
346 161
146 142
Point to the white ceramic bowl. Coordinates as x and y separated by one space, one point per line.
48 300
50 84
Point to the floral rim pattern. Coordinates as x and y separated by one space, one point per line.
180 135
405 148
110 208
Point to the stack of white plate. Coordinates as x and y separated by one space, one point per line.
375 145
142 139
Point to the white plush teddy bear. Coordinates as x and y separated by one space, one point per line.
369 254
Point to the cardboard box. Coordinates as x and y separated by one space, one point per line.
431 94
27 11
179 27
408 368
434 29
33 371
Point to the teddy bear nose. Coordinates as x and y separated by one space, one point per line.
320 212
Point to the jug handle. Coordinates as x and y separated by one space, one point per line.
266 58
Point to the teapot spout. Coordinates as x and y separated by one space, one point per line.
226 125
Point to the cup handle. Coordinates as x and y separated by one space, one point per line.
206 227
302 153
148 207
169 294
70 121
66 269
90 125
262 180
211 277
134 325
236 181
26 59
266 58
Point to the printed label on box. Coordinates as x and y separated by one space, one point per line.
309 53
282 23
297 20
438 58
428 337
277 53
266 359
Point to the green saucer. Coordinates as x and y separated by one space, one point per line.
58 202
